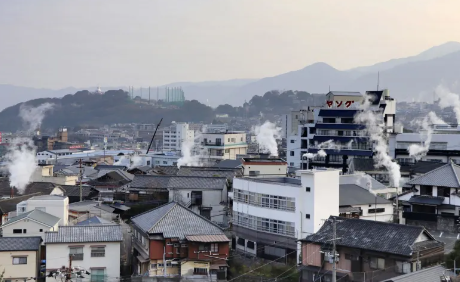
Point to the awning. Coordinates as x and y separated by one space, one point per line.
141 259
426 200
207 238
349 209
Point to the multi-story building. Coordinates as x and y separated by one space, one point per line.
215 128
442 148
175 135
223 146
308 130
55 205
271 214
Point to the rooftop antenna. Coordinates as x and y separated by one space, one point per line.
329 88
378 80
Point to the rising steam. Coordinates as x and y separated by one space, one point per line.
21 161
329 144
448 99
418 151
188 157
266 136
373 122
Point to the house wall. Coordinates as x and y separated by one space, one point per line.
311 254
218 257
57 255
32 229
58 208
19 271
384 216
267 169
188 267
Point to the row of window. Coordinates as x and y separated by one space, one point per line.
327 132
264 200
23 231
433 145
77 252
264 224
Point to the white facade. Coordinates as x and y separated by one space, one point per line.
167 159
264 167
28 228
46 174
215 128
175 135
52 204
58 253
385 216
305 204
223 146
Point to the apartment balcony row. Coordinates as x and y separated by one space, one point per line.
222 144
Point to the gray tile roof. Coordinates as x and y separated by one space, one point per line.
431 274
175 221
85 234
95 220
177 182
352 194
371 235
426 200
20 243
364 165
165 170
36 215
446 176
229 164
9 205
208 172
74 190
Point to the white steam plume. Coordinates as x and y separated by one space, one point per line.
21 162
266 136
188 157
321 153
329 144
135 161
122 161
448 99
418 151
373 122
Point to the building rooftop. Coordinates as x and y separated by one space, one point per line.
48 198
276 180
37 216
362 180
264 161
371 235
85 234
345 93
229 164
95 220
11 244
352 194
445 176
9 205
175 221
179 182
430 274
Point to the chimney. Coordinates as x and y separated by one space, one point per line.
12 192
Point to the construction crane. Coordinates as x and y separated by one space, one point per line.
154 133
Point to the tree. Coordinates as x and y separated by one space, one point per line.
454 255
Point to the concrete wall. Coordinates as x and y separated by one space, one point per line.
58 254
266 169
383 217
58 208
32 229
18 271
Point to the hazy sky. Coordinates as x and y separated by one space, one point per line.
117 42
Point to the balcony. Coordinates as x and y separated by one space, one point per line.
212 143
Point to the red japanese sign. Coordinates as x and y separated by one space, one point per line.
338 104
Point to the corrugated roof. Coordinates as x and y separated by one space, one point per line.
445 176
175 221
207 238
20 243
177 182
371 235
84 234
36 215
352 194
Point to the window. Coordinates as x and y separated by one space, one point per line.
402 267
376 263
291 164
148 162
19 260
41 230
307 216
178 251
214 248
200 271
97 275
17 231
168 263
157 162
227 151
250 245
76 252
379 210
291 153
203 247
24 231
292 141
240 242
161 265
165 162
153 266
98 251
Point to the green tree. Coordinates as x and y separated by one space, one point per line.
454 255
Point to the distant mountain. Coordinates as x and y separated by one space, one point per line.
432 53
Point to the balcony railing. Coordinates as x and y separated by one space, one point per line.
77 257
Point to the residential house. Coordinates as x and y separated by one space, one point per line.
32 223
81 211
6 191
55 205
206 196
371 184
434 201
254 167
95 248
171 240
20 258
95 220
367 250
45 173
8 206
434 273
108 181
73 193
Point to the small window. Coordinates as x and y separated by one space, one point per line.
17 231
214 247
250 245
19 260
377 263
97 275
98 251
291 153
292 141
291 164
308 189
24 231
161 265
168 264
153 266
240 242
307 216
165 162
41 230
188 195
380 210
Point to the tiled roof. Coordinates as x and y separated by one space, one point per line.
166 170
229 164
426 200
74 190
95 220
431 274
421 167
110 167
207 238
34 187
364 165
20 243
36 215
370 235
352 194
208 172
9 205
84 234
445 176
178 182
175 221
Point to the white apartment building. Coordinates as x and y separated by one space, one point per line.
444 145
215 128
165 159
223 146
175 135
271 214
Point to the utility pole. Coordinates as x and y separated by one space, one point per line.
334 238
149 95
69 271
81 178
